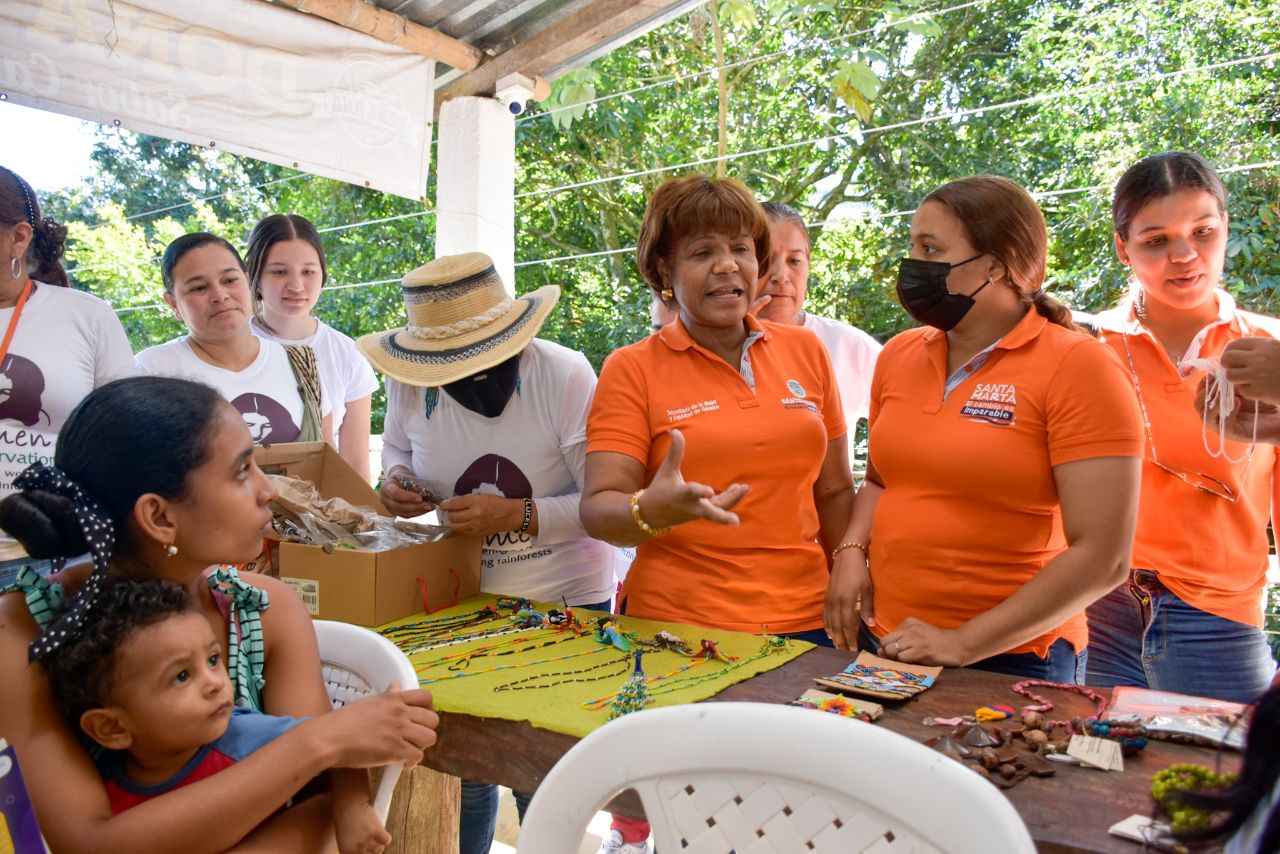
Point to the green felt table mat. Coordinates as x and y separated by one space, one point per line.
558 708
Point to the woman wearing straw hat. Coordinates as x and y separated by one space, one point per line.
492 421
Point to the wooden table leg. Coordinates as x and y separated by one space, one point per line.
424 813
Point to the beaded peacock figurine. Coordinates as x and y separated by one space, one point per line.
634 694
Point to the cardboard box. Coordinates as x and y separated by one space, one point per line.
363 587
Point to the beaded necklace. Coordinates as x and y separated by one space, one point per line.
619 666
1040 704
458 674
460 660
413 646
771 645
564 630
441 625
600 702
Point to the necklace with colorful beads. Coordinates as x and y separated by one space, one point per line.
1041 705
459 674
461 660
709 652
617 668
439 625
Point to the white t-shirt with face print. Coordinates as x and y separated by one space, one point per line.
344 371
66 344
265 393
535 449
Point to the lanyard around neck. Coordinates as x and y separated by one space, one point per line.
13 321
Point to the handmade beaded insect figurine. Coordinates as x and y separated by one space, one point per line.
664 640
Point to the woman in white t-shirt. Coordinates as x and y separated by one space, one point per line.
276 389
287 269
492 423
59 344
786 282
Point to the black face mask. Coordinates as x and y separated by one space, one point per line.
488 391
922 290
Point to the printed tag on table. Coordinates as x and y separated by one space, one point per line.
1097 752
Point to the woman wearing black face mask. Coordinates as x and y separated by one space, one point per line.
1002 488
493 420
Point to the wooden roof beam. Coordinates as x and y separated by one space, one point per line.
575 36
391 28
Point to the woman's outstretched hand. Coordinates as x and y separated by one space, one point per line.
670 500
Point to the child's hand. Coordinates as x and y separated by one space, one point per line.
359 830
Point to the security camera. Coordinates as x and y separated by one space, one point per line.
514 90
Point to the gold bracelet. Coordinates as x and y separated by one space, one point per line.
641 523
849 545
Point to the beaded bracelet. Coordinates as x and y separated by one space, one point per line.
1168 783
849 545
640 522
528 516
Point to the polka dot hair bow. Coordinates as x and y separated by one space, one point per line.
98 532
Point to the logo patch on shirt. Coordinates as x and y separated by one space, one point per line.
994 403
693 409
795 388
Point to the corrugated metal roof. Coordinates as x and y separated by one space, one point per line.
496 26
493 26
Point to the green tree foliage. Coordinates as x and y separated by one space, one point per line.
853 113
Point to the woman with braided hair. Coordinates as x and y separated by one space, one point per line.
59 344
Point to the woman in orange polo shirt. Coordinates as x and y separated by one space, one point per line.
717 443
1189 616
1004 455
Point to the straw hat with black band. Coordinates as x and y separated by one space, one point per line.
461 321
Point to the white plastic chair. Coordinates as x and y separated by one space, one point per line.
357 662
753 778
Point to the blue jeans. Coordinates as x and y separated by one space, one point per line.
478 817
814 636
1062 664
1141 634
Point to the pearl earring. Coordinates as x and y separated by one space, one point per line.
170 550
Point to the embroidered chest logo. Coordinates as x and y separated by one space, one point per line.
796 399
994 403
693 409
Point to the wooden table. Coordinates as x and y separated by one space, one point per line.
1069 812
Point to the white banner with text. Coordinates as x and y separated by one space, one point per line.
238 75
